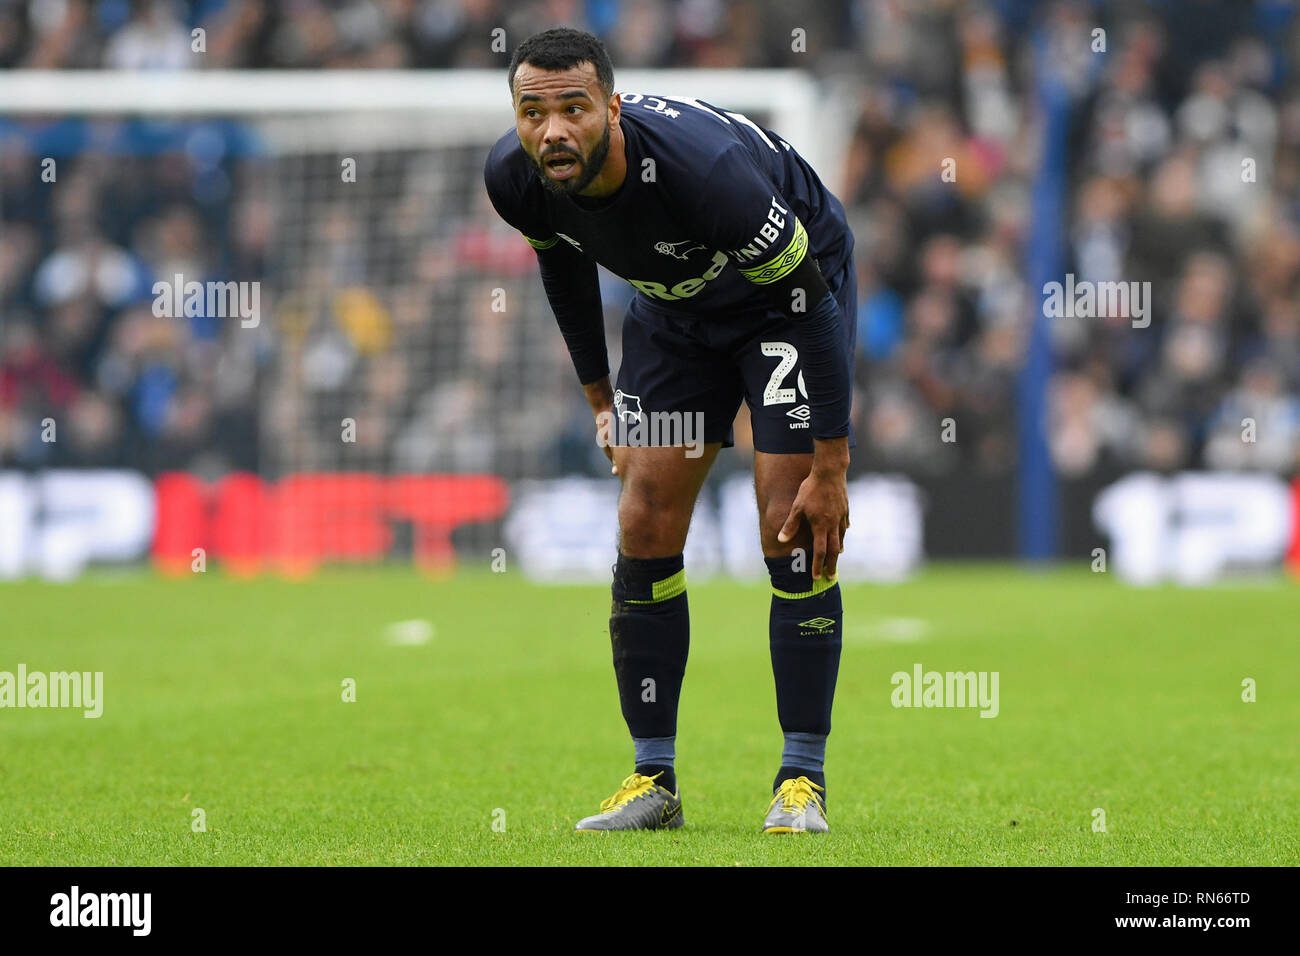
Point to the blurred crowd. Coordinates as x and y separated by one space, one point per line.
1181 160
400 34
395 304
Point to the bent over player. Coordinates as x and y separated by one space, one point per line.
743 265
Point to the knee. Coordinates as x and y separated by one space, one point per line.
651 524
775 512
772 519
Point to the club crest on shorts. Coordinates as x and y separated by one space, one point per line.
676 250
627 407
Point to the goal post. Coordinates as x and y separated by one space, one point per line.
469 103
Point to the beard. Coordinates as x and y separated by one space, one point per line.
591 167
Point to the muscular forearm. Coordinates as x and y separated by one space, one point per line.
830 457
600 395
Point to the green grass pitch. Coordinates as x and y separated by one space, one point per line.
226 695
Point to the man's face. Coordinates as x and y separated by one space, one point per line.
564 120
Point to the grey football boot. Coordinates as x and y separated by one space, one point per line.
797 808
640 804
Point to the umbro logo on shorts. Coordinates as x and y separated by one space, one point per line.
800 414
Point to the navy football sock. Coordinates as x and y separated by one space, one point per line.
804 750
804 756
805 628
656 755
649 629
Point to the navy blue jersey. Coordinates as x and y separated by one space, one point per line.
713 208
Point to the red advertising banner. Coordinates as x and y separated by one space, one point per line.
292 525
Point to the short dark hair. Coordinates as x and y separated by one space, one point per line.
561 48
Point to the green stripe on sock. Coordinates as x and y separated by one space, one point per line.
669 587
820 585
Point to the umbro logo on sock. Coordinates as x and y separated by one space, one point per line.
817 625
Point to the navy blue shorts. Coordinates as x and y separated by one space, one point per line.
704 367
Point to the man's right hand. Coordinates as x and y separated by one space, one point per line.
600 396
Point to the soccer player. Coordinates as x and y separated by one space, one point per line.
743 265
